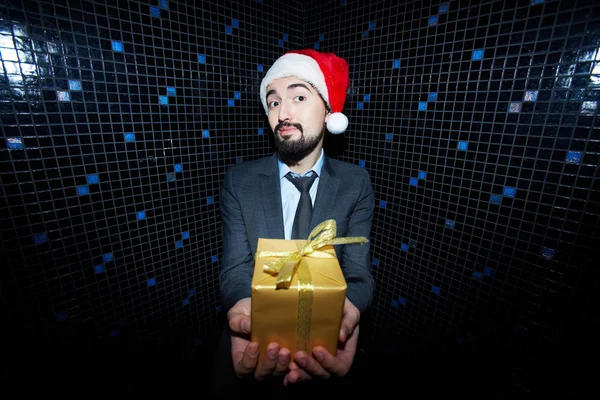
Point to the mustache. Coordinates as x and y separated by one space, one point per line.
288 124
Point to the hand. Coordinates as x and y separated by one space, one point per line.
244 353
323 365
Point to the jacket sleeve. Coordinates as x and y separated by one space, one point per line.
356 260
236 268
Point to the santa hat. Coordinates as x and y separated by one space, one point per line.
327 72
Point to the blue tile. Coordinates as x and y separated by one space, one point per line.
487 271
114 333
432 97
280 42
235 23
361 163
422 175
477 55
495 199
260 68
261 131
449 224
443 8
155 12
39 238
129 137
412 243
228 30
344 2
422 106
14 143
435 289
531 95
382 204
100 268
205 133
514 107
61 316
192 292
534 2
432 20
93 179
574 157
74 85
185 235
285 37
117 46
219 308
389 137
140 215
151 282
394 303
186 301
396 63
372 25
107 257
201 58
215 258
164 4
589 107
83 190
231 103
321 36
547 253
477 275
239 160
237 95
365 35
178 168
463 145
402 300
404 248
316 46
376 262
171 177
178 244
414 182
171 91
510 191
63 96
360 105
164 100
366 97
210 200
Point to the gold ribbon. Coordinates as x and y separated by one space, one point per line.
289 262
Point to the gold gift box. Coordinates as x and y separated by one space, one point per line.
281 313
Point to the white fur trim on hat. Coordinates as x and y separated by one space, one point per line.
297 65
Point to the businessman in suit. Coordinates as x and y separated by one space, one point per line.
303 94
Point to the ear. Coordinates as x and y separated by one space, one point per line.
327 116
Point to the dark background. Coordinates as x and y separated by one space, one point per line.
478 122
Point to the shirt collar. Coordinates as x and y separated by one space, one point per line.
284 169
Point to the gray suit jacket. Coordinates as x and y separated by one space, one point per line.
251 209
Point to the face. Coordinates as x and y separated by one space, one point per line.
297 115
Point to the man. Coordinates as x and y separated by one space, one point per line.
303 93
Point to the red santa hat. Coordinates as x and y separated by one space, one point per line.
328 73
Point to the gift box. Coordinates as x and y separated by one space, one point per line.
298 291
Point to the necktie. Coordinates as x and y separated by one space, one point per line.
304 210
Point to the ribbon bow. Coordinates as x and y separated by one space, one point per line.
288 261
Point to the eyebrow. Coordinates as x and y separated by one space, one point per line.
290 87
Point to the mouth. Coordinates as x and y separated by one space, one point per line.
287 129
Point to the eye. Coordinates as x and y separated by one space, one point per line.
274 103
299 98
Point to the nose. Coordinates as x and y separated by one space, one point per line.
285 112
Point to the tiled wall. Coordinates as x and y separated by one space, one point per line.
476 120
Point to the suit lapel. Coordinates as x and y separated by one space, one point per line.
326 194
271 199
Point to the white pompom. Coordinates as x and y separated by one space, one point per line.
337 123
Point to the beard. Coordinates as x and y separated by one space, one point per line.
292 151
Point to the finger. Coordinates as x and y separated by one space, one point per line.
310 365
283 362
247 363
350 320
296 375
268 363
239 323
339 365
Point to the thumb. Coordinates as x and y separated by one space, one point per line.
239 323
